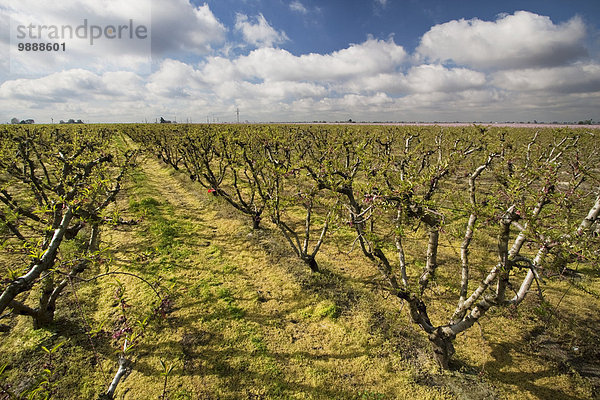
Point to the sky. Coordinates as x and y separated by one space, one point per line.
301 60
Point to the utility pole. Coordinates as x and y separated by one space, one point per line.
238 115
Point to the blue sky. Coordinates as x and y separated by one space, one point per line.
301 60
331 25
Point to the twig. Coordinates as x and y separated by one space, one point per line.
121 273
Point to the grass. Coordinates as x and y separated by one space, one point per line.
248 320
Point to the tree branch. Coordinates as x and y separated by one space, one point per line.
45 262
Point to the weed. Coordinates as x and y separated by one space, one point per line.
182 394
225 294
327 309
47 385
5 386
258 344
229 269
201 291
235 312
213 252
165 233
166 371
368 395
148 206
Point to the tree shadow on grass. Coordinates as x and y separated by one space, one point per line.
244 373
502 358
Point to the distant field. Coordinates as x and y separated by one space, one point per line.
488 124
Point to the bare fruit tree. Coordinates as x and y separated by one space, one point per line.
54 185
536 198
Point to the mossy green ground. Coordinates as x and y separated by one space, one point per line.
247 320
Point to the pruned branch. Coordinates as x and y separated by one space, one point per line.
464 247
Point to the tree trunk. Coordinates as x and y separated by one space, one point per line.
443 348
43 318
312 263
44 314
256 221
94 242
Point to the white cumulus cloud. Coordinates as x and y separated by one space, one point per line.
418 79
259 33
578 78
521 40
437 78
179 26
369 57
174 79
64 86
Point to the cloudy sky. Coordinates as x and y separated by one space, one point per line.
302 60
